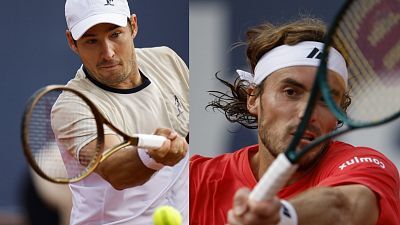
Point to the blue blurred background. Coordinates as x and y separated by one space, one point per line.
34 53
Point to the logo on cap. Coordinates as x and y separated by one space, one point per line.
109 2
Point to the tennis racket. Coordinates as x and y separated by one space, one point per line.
53 137
366 32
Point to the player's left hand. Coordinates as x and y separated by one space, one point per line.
247 212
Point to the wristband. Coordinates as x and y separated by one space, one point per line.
288 214
148 161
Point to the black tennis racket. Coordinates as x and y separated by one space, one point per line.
367 33
53 137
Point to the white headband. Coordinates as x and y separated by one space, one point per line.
306 53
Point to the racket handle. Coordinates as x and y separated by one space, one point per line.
274 179
150 141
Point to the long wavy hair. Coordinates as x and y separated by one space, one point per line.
260 40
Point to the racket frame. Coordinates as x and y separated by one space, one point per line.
100 120
324 87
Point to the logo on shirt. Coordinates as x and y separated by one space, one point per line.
178 106
109 2
358 160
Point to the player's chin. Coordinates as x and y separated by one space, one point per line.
113 78
111 74
115 70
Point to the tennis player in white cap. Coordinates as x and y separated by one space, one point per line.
140 91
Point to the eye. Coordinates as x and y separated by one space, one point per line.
322 101
116 34
290 92
91 41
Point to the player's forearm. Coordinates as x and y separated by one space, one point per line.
352 205
124 169
322 206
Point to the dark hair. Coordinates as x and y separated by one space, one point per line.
260 40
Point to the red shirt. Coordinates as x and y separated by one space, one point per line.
214 181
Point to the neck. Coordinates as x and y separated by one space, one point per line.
132 81
262 160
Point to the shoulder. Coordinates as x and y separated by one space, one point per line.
349 155
345 163
204 161
163 64
80 82
216 167
162 52
366 166
158 49
199 163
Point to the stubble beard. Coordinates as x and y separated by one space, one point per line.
271 140
120 76
276 141
274 144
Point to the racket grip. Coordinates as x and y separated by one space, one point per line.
274 179
150 141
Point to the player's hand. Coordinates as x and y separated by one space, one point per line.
172 151
247 212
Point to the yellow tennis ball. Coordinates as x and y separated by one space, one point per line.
167 215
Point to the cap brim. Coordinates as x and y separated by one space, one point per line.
80 28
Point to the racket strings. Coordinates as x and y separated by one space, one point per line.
367 36
42 141
60 125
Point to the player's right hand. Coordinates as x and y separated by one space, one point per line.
247 212
172 151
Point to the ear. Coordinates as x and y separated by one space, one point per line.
71 42
134 25
252 102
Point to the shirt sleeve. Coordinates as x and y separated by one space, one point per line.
373 170
74 125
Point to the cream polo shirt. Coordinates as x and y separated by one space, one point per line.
161 101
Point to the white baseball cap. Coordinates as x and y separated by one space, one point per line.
84 14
